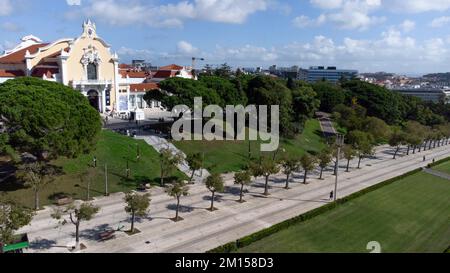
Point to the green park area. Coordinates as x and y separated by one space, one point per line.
410 215
444 167
229 156
113 150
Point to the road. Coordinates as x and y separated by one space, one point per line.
202 230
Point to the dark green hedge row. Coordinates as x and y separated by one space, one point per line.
234 246
438 162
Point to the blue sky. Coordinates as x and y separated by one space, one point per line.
409 37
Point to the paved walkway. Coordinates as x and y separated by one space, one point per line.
327 127
159 143
437 173
202 230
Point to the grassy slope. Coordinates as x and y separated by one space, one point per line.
410 215
112 149
226 156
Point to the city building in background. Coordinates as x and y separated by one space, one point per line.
331 74
437 95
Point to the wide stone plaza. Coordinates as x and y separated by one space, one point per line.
202 230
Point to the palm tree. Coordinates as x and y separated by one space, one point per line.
243 179
214 183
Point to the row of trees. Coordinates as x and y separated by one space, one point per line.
297 100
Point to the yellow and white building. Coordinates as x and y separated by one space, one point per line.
87 64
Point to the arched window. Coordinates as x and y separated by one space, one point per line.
92 71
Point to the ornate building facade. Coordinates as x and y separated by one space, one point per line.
87 64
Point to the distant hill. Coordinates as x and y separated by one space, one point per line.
438 76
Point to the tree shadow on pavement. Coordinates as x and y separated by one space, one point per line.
43 244
93 234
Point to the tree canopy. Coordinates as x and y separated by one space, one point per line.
47 119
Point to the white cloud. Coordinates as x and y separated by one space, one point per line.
6 7
121 12
73 2
345 14
391 51
408 25
417 6
327 4
440 22
11 27
184 47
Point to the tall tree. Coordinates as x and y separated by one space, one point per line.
396 140
47 119
349 154
264 90
168 163
36 176
12 218
243 179
324 158
136 205
308 163
265 167
290 165
377 128
77 214
214 183
304 103
177 190
195 162
362 143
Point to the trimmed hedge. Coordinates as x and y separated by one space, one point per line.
243 242
445 160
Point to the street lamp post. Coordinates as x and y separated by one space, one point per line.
339 143
106 180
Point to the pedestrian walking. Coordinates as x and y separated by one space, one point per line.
424 158
331 195
95 162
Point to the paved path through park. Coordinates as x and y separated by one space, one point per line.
203 230
159 143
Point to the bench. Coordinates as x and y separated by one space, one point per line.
107 235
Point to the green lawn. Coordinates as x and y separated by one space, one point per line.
411 215
228 156
444 167
112 149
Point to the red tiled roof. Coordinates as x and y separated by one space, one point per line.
171 67
11 73
18 57
125 66
165 74
134 74
48 72
143 87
